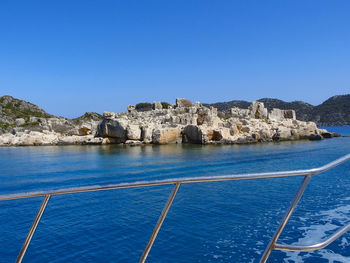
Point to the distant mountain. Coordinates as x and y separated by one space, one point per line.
333 112
225 106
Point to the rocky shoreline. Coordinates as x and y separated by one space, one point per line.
183 122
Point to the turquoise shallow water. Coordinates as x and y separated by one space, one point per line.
211 222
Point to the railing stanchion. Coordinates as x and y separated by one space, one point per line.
290 211
32 229
159 223
187 180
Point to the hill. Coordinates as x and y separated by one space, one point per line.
20 114
12 109
335 111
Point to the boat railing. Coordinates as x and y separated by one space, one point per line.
273 245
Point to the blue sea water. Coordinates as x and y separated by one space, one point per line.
208 222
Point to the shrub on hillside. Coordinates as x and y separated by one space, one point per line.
143 106
165 105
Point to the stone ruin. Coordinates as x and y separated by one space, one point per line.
187 122
183 122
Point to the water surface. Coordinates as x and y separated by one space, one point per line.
209 222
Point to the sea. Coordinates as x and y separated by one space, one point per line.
208 222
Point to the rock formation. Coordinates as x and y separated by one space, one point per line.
185 122
23 123
161 123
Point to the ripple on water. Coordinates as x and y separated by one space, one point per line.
211 222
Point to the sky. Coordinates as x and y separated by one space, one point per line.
70 57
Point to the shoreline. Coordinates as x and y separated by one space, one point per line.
182 122
100 143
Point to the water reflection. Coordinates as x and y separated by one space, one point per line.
229 221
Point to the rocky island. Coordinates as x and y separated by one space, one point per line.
182 122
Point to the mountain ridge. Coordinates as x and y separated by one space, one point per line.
335 111
25 124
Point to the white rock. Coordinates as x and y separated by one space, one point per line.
20 121
276 115
133 142
109 115
239 113
157 105
133 132
166 135
257 110
182 102
146 134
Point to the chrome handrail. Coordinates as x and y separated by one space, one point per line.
316 246
199 179
177 183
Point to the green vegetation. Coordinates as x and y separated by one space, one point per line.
30 124
12 110
165 105
335 110
143 106
5 125
88 116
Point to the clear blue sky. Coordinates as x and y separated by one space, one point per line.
75 56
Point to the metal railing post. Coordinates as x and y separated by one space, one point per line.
32 229
283 223
187 180
159 223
